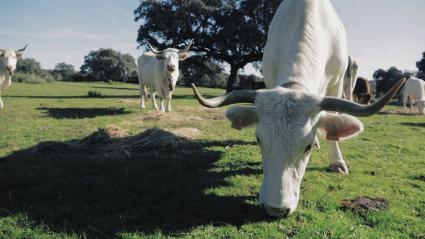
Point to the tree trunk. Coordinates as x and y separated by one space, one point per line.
232 78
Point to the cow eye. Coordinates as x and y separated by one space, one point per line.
308 148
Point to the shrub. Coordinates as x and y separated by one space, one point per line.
94 94
32 78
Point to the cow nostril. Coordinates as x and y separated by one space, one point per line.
276 212
171 67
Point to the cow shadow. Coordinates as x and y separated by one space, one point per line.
99 186
81 113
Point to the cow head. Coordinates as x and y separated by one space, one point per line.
288 122
365 98
10 57
171 58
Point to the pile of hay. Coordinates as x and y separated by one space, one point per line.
157 139
113 142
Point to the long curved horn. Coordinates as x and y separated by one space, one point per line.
153 49
188 47
234 97
22 49
348 107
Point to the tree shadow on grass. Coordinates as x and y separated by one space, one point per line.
80 113
413 124
64 97
99 186
114 88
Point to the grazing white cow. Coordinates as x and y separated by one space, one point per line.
8 60
159 71
414 91
304 64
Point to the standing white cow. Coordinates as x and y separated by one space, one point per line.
159 71
414 91
304 63
8 60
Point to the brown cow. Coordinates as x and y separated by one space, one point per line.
361 93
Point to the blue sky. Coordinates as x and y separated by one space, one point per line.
381 33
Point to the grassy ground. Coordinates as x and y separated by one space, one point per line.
207 190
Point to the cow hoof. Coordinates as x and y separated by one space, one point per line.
340 168
142 107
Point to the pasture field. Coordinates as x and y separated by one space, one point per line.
207 189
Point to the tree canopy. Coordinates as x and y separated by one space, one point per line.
63 71
385 79
421 67
28 65
108 64
234 32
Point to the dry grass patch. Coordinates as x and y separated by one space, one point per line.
190 133
129 101
206 113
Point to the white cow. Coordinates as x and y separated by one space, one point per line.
8 60
159 71
304 63
414 91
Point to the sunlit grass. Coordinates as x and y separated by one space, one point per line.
211 193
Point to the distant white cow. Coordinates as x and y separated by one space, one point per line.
8 60
414 91
304 64
159 71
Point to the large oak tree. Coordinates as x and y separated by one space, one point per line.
228 31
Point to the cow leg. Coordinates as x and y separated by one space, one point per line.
412 103
421 106
405 98
169 104
336 162
161 102
154 105
1 103
143 96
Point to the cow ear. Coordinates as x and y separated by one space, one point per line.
183 55
242 116
338 127
18 55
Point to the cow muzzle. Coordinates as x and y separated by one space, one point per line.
276 212
171 68
10 70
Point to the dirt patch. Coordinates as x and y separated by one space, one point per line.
363 204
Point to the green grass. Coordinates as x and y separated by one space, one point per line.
48 190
